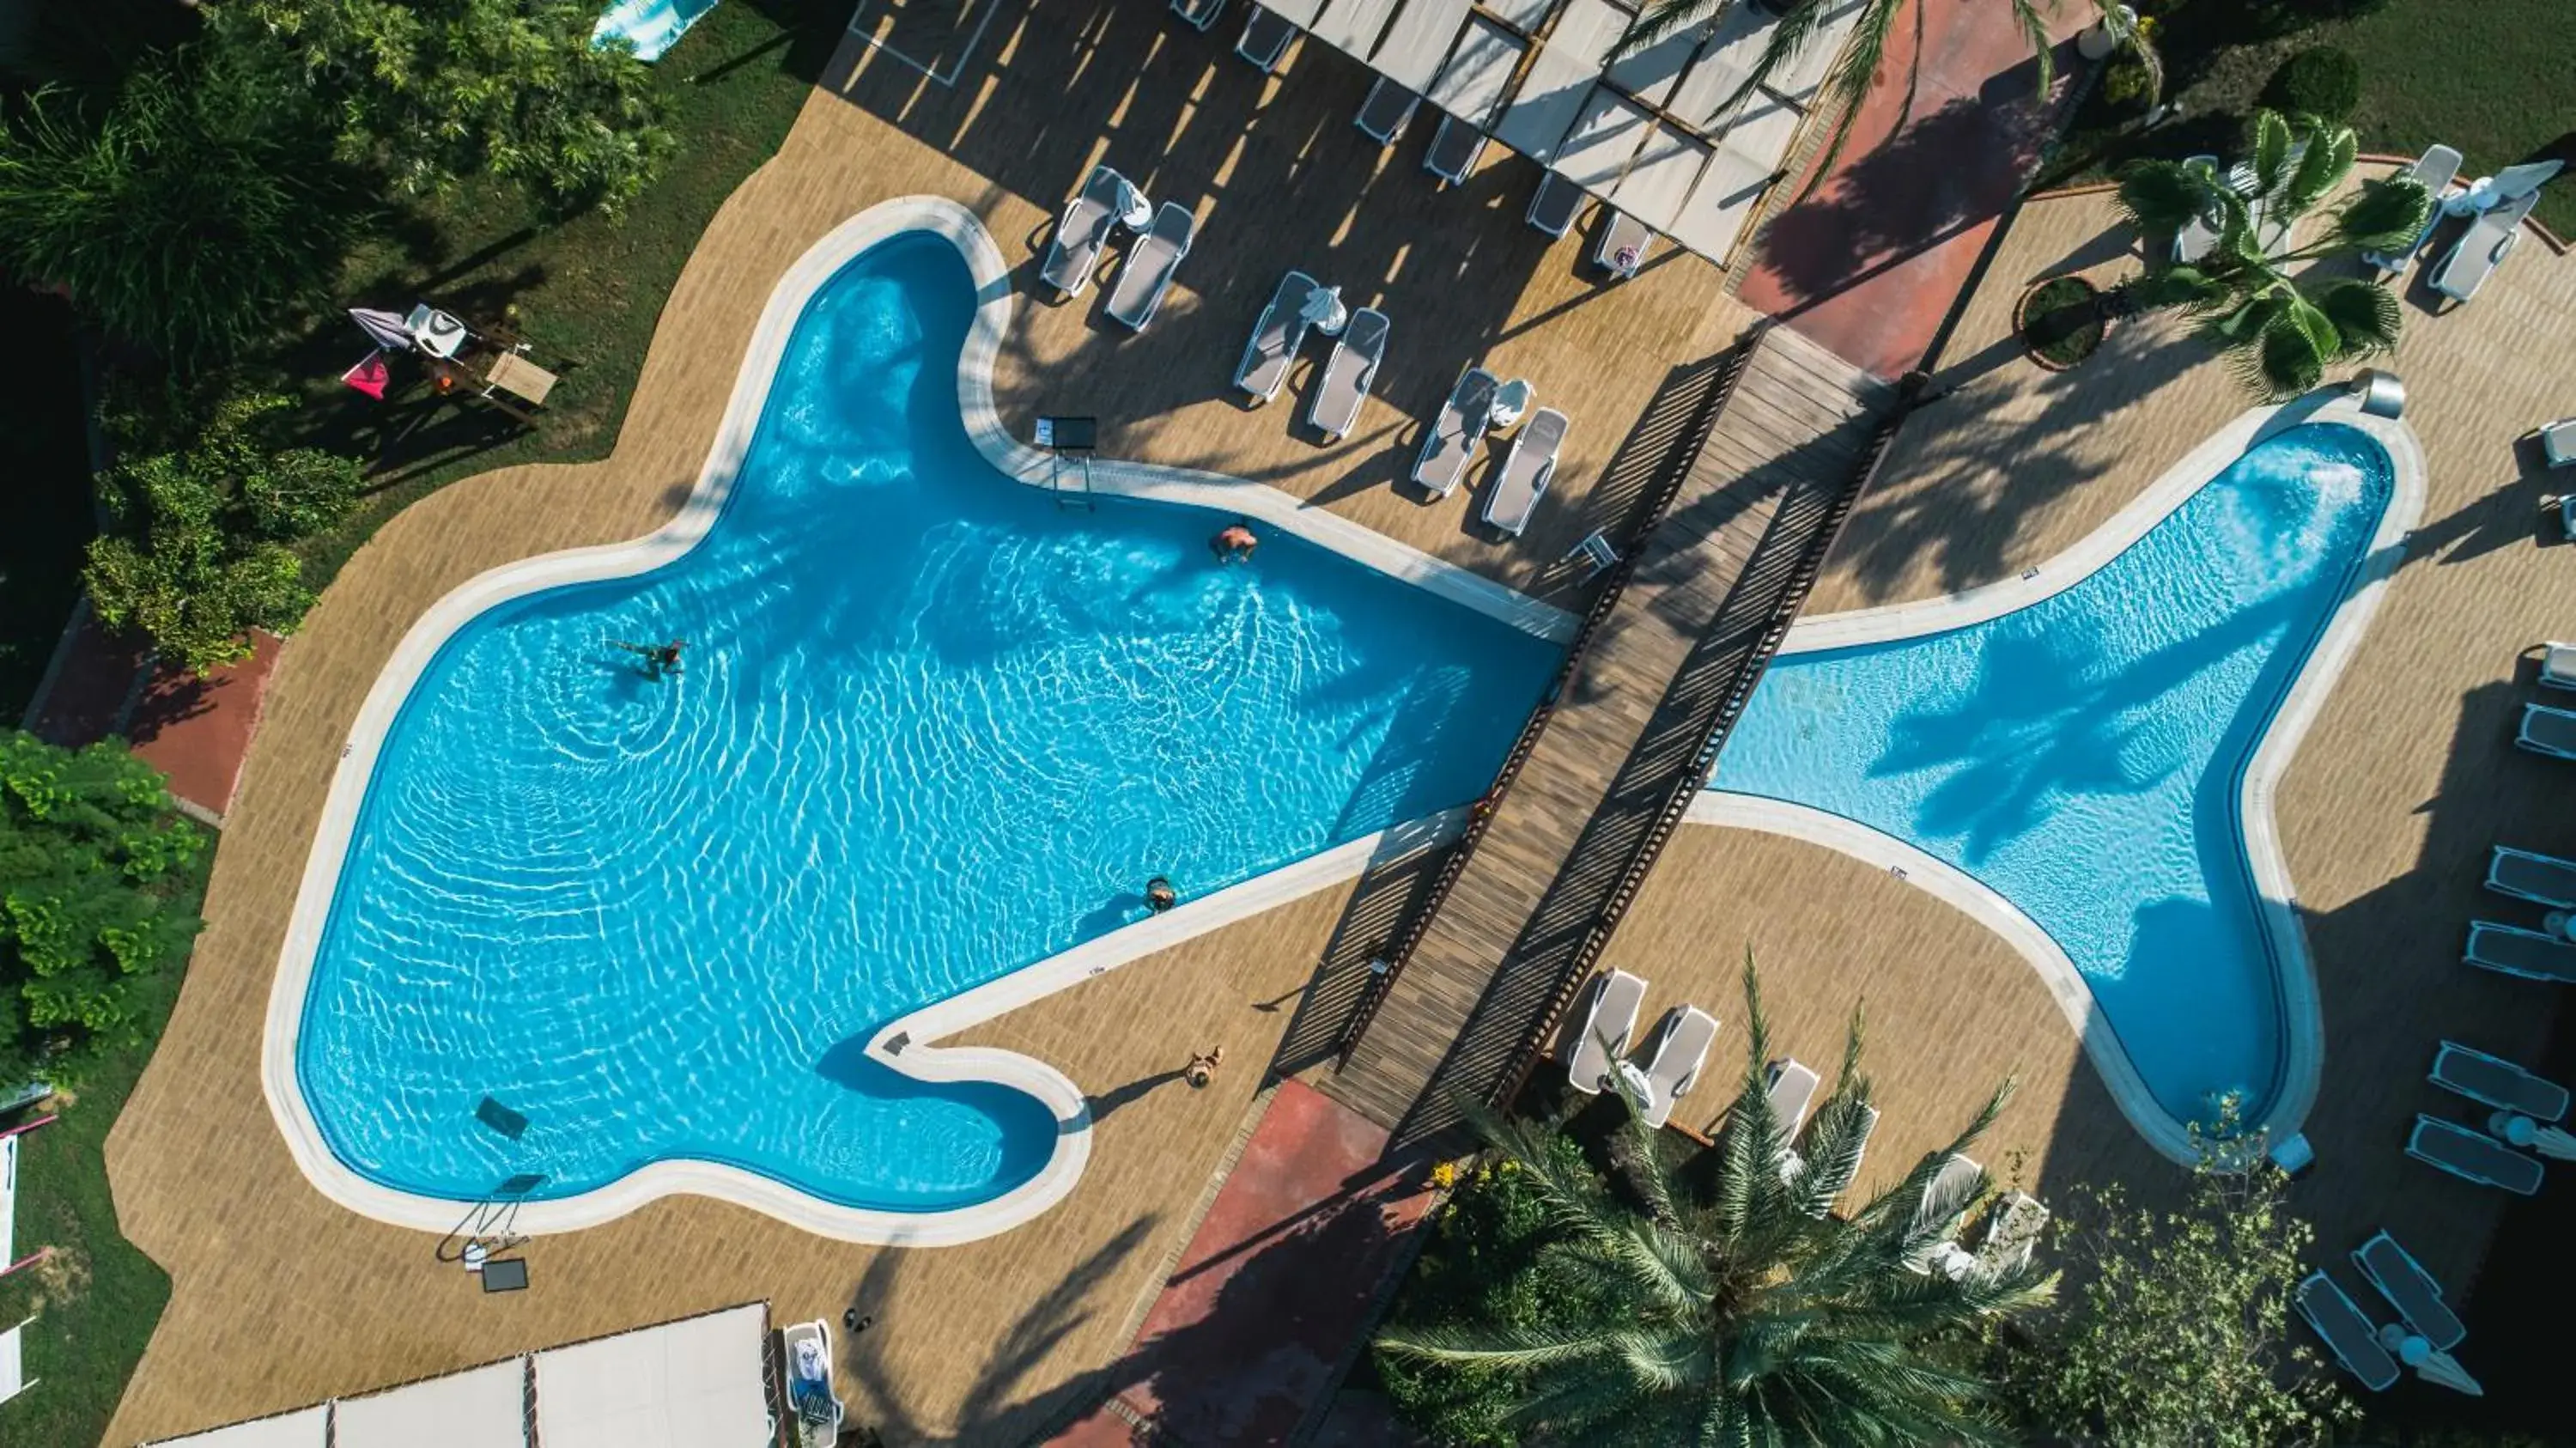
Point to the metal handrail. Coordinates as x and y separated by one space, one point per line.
1480 815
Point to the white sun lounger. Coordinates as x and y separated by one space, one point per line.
1083 231
2512 950
1383 114
2196 237
2472 1156
1348 374
2482 248
1199 13
1601 1036
1265 38
1526 472
1275 339
2540 879
2012 1234
2557 660
2437 168
1792 1091
809 1377
1947 1198
2547 731
2353 1338
1454 436
1618 233
2558 449
1682 1040
1150 264
2411 1290
2493 1081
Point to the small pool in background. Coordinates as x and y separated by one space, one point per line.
651 26
930 729
2082 756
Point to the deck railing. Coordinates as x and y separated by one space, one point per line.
1480 815
1793 599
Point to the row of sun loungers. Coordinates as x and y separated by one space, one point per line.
1082 235
2426 1331
1457 434
1679 1046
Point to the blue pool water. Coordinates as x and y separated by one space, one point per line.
651 26
2082 756
930 729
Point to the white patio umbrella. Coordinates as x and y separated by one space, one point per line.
1325 313
388 329
2530 1135
2433 1367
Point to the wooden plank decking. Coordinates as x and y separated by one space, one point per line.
1635 718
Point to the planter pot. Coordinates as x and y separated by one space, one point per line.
2069 330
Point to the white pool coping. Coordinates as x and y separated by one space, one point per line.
2302 1024
907 1044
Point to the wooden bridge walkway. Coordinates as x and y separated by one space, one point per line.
1587 802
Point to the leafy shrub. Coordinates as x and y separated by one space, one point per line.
2323 81
195 215
196 553
95 879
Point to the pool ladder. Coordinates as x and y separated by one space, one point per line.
1071 485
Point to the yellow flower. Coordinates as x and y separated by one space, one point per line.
1445 1175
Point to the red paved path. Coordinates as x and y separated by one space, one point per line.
1274 1288
1869 262
194 730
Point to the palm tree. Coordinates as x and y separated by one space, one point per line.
1799 21
1742 1310
2282 331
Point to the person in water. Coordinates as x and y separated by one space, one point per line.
1160 896
1234 544
659 659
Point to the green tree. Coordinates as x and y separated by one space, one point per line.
200 209
2180 1337
1797 23
196 555
1722 1302
2281 331
442 89
95 888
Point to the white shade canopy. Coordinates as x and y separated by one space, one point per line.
1418 42
483 1407
1471 85
304 1428
1660 179
1597 153
696 1383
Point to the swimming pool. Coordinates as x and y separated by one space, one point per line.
651 26
2081 744
930 728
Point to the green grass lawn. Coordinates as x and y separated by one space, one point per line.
96 1298
2494 78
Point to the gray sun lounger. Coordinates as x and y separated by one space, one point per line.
2472 1156
1601 1033
1617 234
1792 1091
1275 339
2411 1290
1455 435
2437 168
2547 731
2558 660
1527 470
1682 1039
1150 264
1348 374
1454 149
1383 114
2540 879
2349 1335
1265 39
1199 13
2195 238
2482 248
2512 950
1553 206
2492 1081
1082 231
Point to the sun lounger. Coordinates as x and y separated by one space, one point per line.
1454 436
1602 1036
1682 1040
2482 248
2558 444
1527 470
2198 235
2012 1234
1621 233
2557 660
2491 1081
2547 731
1274 341
1348 374
1553 205
1265 39
1383 114
1454 149
1150 264
1199 13
2411 1290
1597 554
2437 168
2512 950
2472 1156
2349 1335
1083 231
809 1377
2540 879
1792 1091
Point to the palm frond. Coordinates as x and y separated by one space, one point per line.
2034 30
1853 78
2282 362
1506 1349
2386 214
2322 167
2366 317
2271 151
2162 197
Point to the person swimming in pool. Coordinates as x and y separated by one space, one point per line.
659 659
1234 543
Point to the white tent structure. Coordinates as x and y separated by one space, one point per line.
13 1363
699 1382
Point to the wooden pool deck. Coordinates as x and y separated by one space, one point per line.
280 1297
